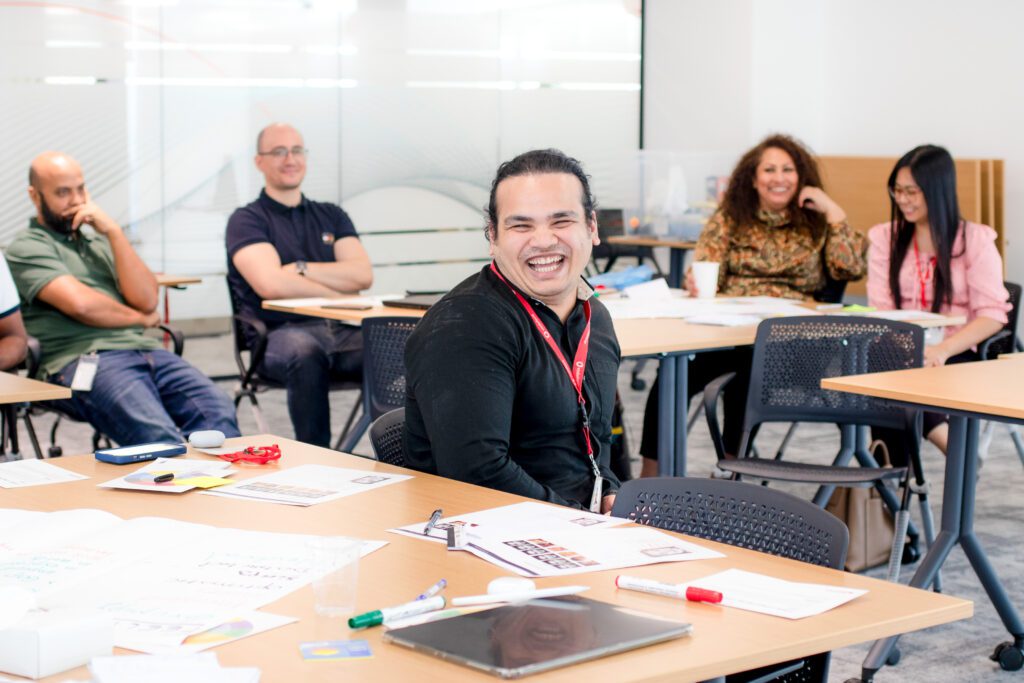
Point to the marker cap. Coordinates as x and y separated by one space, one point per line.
374 618
695 594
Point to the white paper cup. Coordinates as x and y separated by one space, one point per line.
705 278
336 561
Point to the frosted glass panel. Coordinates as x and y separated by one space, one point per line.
407 107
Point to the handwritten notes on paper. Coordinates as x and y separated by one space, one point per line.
159 579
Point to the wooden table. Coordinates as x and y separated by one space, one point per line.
169 282
724 640
673 341
677 252
18 389
345 314
968 392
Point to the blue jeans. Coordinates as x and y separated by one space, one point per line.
305 357
146 396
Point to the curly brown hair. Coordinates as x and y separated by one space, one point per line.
741 201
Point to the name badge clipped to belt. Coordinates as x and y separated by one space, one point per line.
85 373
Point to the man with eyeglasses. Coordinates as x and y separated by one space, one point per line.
87 296
284 246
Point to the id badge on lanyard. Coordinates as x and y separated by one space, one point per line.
576 374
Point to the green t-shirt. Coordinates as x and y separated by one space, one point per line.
39 255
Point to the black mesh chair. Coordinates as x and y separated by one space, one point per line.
250 345
753 517
791 357
1003 341
386 437
384 340
33 360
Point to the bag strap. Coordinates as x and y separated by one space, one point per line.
879 445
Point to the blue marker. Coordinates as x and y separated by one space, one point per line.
433 590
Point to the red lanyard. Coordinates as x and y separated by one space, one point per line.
923 275
579 366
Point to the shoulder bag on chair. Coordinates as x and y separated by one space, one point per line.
868 519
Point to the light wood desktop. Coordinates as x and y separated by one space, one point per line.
349 315
724 640
17 389
968 392
166 280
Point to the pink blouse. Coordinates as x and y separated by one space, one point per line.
977 273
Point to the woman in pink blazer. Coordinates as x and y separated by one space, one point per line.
928 258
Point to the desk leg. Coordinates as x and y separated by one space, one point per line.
675 267
972 548
667 415
958 494
681 413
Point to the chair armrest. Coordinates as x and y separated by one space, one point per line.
258 329
985 346
712 391
177 336
33 356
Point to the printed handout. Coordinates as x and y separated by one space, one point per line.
308 485
520 517
161 580
20 473
584 550
768 595
188 474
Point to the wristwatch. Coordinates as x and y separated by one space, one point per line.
301 267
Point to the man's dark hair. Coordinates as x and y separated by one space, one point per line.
32 179
536 162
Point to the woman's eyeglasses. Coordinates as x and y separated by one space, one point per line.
910 192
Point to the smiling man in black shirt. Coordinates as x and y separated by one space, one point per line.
511 377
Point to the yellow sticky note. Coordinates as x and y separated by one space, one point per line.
202 482
857 308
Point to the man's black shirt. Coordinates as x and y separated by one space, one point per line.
489 403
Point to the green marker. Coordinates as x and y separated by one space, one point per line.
386 614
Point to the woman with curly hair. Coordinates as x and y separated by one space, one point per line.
777 233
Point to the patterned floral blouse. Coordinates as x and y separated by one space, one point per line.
772 257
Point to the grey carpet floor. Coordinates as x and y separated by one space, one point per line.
956 652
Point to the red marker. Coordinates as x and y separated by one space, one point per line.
693 594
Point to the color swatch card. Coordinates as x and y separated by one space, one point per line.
333 650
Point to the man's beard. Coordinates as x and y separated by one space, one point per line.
53 221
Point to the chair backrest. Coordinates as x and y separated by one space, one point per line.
1008 343
832 291
386 434
756 517
744 515
384 362
793 355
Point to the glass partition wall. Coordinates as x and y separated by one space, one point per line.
407 107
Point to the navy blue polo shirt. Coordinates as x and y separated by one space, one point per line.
306 232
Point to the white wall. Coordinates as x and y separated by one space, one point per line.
872 77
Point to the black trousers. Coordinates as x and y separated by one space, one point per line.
894 438
704 368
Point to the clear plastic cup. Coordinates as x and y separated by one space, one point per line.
336 561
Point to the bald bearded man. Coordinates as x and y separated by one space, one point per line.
87 296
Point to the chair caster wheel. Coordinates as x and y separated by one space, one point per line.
55 451
637 384
1009 655
911 553
866 676
894 657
